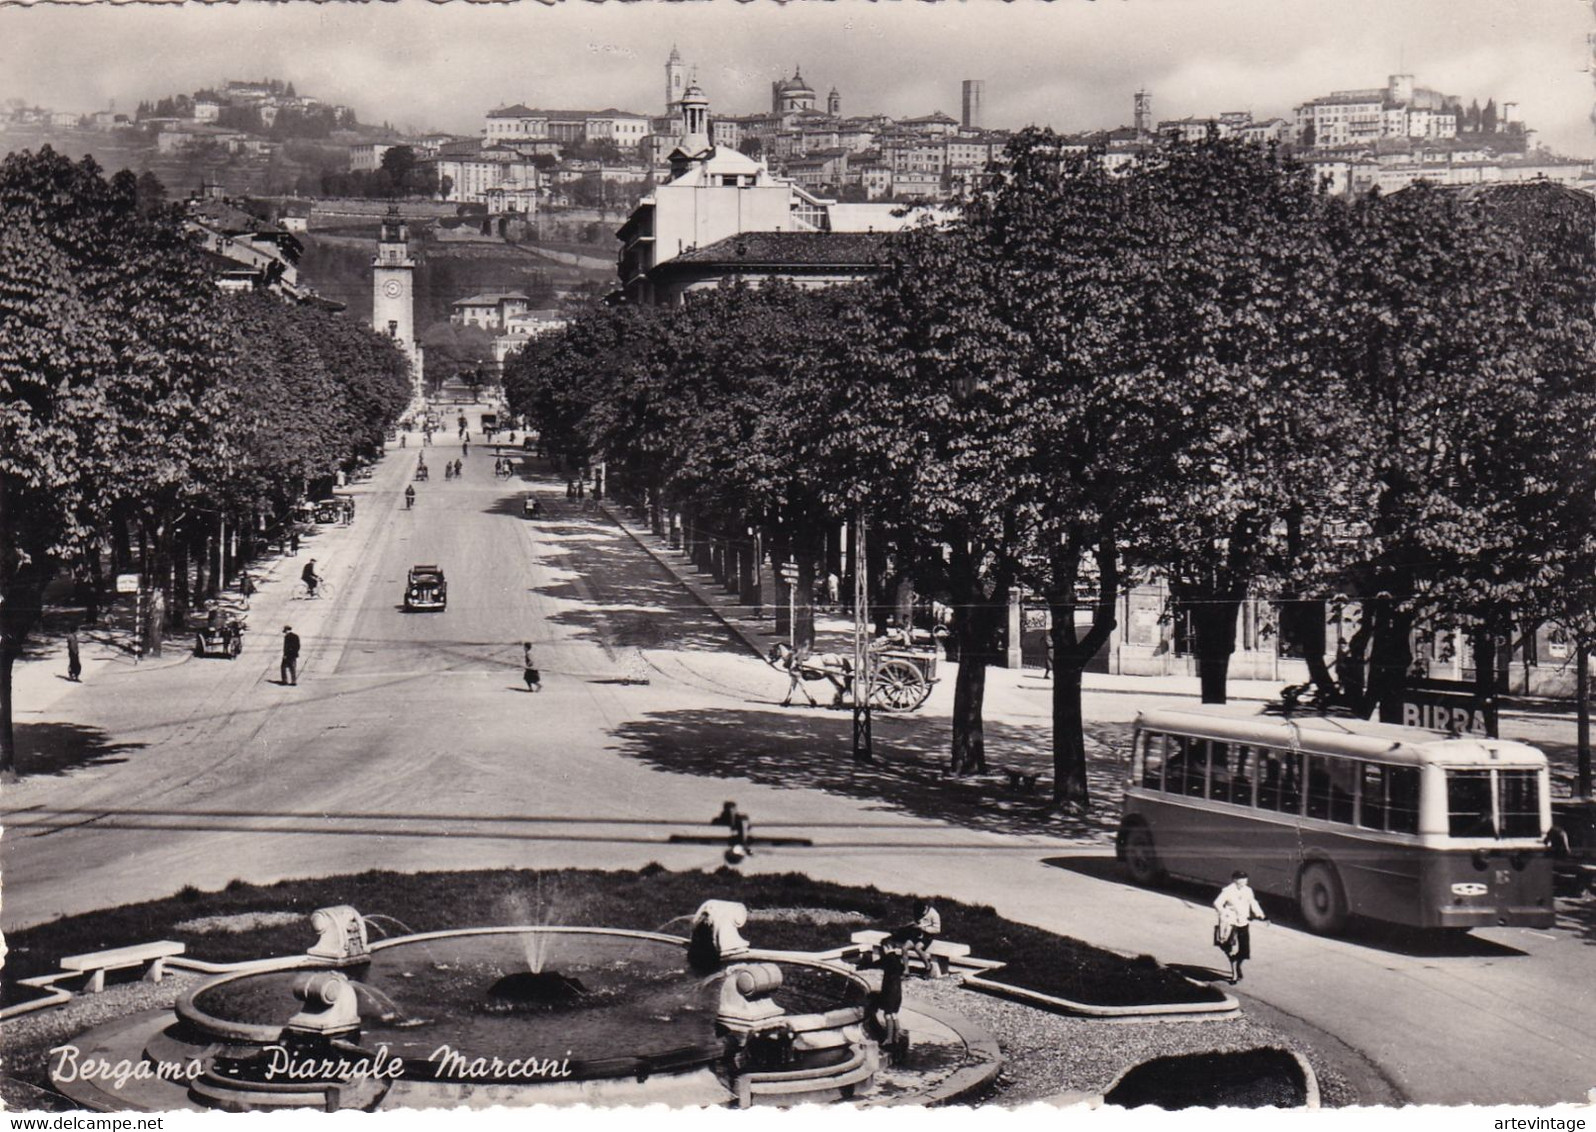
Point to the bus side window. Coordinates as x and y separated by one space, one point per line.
1290 782
1318 787
1371 797
1241 776
1268 780
1197 768
1402 799
1153 761
1343 787
1219 773
1176 769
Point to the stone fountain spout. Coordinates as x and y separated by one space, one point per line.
341 936
715 937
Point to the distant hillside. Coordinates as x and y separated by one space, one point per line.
340 268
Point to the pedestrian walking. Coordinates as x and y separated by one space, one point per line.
1237 908
529 671
1047 655
74 661
293 543
289 672
465 447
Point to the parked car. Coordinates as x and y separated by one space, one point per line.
426 588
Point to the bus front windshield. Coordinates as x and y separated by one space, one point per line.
1474 810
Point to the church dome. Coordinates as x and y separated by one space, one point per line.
796 84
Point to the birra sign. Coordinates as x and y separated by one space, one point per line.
1451 706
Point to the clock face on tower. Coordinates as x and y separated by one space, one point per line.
392 288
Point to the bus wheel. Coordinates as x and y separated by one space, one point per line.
1323 903
1141 857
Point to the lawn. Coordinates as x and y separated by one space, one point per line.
811 918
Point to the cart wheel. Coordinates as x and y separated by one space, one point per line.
899 686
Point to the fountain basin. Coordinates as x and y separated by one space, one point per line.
519 1005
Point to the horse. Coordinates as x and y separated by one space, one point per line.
803 666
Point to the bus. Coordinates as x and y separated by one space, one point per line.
1345 817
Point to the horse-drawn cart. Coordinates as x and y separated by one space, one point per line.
900 677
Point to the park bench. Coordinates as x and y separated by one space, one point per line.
96 963
941 952
1020 781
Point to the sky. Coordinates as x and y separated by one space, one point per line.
1071 64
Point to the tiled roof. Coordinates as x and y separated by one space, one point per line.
785 249
489 300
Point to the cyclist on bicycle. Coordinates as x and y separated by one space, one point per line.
410 496
309 577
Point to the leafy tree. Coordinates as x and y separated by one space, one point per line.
1488 117
151 194
1236 278
1446 448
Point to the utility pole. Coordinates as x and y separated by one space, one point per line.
862 747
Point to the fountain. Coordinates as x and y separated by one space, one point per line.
523 1014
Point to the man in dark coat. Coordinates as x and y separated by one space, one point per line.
290 667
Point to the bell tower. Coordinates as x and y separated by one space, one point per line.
393 278
675 80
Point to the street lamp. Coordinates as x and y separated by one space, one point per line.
862 745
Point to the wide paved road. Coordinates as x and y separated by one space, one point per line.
410 744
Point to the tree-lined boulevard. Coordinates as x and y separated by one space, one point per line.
410 744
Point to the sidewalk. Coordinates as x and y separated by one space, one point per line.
38 681
835 634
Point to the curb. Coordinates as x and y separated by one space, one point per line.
1192 1011
693 588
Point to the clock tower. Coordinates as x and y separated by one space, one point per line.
393 277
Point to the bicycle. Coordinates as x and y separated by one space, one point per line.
302 592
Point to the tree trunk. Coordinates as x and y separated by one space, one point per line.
969 697
20 614
1390 655
1302 627
1071 654
1214 617
8 735
1582 713
1483 643
804 602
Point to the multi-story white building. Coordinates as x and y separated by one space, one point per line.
1362 117
473 175
367 157
517 123
715 193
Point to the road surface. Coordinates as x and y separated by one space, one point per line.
411 744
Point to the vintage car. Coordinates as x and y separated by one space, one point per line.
426 588
329 510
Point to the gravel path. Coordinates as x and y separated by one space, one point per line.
25 1042
1046 1054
